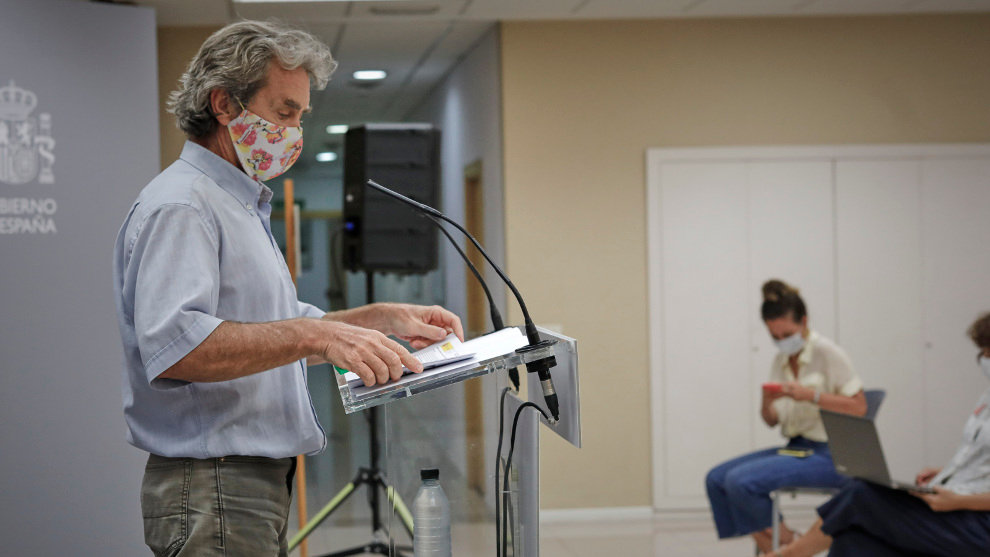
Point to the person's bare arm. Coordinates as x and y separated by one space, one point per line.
975 502
421 326
767 411
240 349
855 405
944 500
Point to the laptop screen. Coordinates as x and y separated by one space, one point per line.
855 446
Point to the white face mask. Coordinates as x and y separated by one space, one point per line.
790 345
985 366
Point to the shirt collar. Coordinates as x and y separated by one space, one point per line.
230 178
804 358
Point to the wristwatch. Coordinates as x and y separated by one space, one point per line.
817 397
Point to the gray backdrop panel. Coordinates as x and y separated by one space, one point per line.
70 482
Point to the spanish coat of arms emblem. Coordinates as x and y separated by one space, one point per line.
26 143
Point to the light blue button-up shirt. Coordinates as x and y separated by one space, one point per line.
195 250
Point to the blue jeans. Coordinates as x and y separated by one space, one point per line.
739 490
235 505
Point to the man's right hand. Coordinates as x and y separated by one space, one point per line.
926 475
374 357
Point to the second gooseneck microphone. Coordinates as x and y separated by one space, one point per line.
542 366
497 323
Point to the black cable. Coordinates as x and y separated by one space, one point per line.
498 460
508 466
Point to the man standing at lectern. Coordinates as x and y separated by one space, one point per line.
215 339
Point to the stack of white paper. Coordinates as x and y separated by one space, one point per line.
449 357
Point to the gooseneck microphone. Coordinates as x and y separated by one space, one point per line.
496 316
542 366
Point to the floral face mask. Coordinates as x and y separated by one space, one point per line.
266 150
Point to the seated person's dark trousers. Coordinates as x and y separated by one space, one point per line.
867 520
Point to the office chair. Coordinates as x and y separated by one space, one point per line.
874 398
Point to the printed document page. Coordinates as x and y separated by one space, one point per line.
447 351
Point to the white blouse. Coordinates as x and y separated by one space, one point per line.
823 366
968 472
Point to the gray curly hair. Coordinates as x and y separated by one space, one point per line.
236 59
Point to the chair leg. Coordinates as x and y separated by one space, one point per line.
775 520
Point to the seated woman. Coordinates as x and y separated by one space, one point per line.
809 373
866 519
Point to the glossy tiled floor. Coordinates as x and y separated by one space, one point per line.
660 536
647 537
473 533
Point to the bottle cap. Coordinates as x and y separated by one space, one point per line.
429 474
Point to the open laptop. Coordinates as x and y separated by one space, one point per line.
856 451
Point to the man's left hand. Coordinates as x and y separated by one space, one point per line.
421 326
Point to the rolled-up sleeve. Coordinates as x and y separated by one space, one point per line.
309 310
844 378
174 267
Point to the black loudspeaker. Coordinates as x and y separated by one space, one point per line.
381 234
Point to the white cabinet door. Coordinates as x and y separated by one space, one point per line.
726 228
878 232
705 315
891 249
956 251
791 238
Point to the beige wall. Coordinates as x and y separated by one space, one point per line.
176 47
583 101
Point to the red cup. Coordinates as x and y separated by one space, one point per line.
773 387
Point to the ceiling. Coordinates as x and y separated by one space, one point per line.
419 41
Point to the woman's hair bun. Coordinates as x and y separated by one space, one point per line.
775 290
780 299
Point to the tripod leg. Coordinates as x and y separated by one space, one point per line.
341 496
400 508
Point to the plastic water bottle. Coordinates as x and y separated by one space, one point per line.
431 517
